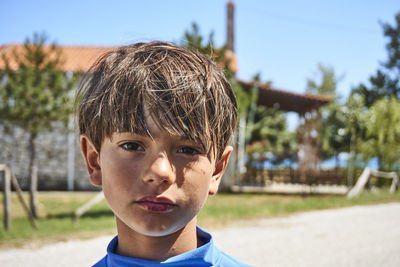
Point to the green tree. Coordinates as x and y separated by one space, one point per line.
381 85
332 118
327 85
385 82
270 133
193 39
377 130
393 46
382 137
353 130
34 94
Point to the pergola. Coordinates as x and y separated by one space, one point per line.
308 131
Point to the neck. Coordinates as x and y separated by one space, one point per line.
156 248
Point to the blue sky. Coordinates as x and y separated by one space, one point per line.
283 40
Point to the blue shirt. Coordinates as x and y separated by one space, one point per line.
206 255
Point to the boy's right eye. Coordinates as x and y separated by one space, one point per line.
132 146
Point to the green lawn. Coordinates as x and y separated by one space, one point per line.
56 213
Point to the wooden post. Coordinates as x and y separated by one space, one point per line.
365 176
361 182
7 197
84 208
8 179
390 175
22 200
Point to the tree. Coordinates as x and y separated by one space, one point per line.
393 47
354 130
193 39
385 83
270 133
332 117
328 83
383 134
381 85
377 134
34 94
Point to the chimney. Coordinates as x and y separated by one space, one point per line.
230 25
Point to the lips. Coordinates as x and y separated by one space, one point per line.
156 204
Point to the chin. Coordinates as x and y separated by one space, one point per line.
154 227
157 230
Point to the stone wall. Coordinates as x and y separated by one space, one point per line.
52 150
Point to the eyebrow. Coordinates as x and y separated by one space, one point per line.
179 137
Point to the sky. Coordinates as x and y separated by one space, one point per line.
283 40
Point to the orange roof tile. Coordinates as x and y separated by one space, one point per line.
75 58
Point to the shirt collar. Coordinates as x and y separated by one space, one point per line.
205 255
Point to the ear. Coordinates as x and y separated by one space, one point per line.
92 160
220 167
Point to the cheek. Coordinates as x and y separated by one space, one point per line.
197 183
199 174
118 175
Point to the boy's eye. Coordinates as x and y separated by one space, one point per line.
188 150
132 146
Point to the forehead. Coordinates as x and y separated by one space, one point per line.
155 130
153 127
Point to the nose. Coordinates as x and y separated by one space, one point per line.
161 171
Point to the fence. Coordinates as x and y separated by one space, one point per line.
261 177
9 178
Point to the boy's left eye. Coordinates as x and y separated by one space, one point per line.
188 150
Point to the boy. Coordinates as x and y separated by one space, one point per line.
155 121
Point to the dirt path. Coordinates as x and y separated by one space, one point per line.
357 236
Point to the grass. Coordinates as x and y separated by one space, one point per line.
56 213
224 209
55 220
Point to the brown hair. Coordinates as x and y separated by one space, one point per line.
184 91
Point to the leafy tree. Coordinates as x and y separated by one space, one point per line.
332 118
193 39
381 86
377 133
270 133
334 139
354 130
385 83
34 94
383 134
327 85
393 47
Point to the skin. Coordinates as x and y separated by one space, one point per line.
155 187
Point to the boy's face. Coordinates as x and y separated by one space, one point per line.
154 186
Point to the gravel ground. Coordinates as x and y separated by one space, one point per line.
356 236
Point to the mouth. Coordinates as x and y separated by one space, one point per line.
156 204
